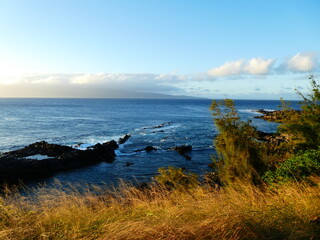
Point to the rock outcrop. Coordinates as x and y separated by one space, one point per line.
183 150
123 139
23 164
275 116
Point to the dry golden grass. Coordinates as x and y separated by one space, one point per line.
237 212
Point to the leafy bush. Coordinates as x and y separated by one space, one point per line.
176 178
240 155
303 127
298 167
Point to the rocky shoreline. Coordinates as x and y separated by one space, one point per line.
42 159
274 116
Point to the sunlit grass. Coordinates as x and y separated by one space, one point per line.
237 212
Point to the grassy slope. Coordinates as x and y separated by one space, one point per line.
238 212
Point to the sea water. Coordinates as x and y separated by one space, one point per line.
161 123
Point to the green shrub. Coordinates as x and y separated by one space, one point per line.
303 127
298 167
240 155
176 178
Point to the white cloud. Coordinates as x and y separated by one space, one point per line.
258 66
87 78
228 69
302 62
254 66
42 79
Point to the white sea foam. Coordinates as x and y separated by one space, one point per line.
71 118
83 146
119 153
11 119
38 157
121 146
196 109
249 110
256 111
89 142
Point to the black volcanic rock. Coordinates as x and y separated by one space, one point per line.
123 139
147 149
150 148
20 165
42 148
183 150
159 126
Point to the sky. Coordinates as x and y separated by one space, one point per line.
244 49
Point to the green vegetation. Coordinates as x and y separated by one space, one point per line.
240 156
298 167
292 153
303 128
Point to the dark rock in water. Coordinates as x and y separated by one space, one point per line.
183 150
128 164
147 148
150 148
123 139
160 131
22 164
159 126
42 148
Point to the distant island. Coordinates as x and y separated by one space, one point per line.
80 91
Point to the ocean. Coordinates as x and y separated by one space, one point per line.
161 123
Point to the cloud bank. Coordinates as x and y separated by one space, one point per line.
254 66
299 63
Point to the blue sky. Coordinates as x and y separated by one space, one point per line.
238 49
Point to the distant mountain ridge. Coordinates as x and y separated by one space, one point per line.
157 96
78 91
